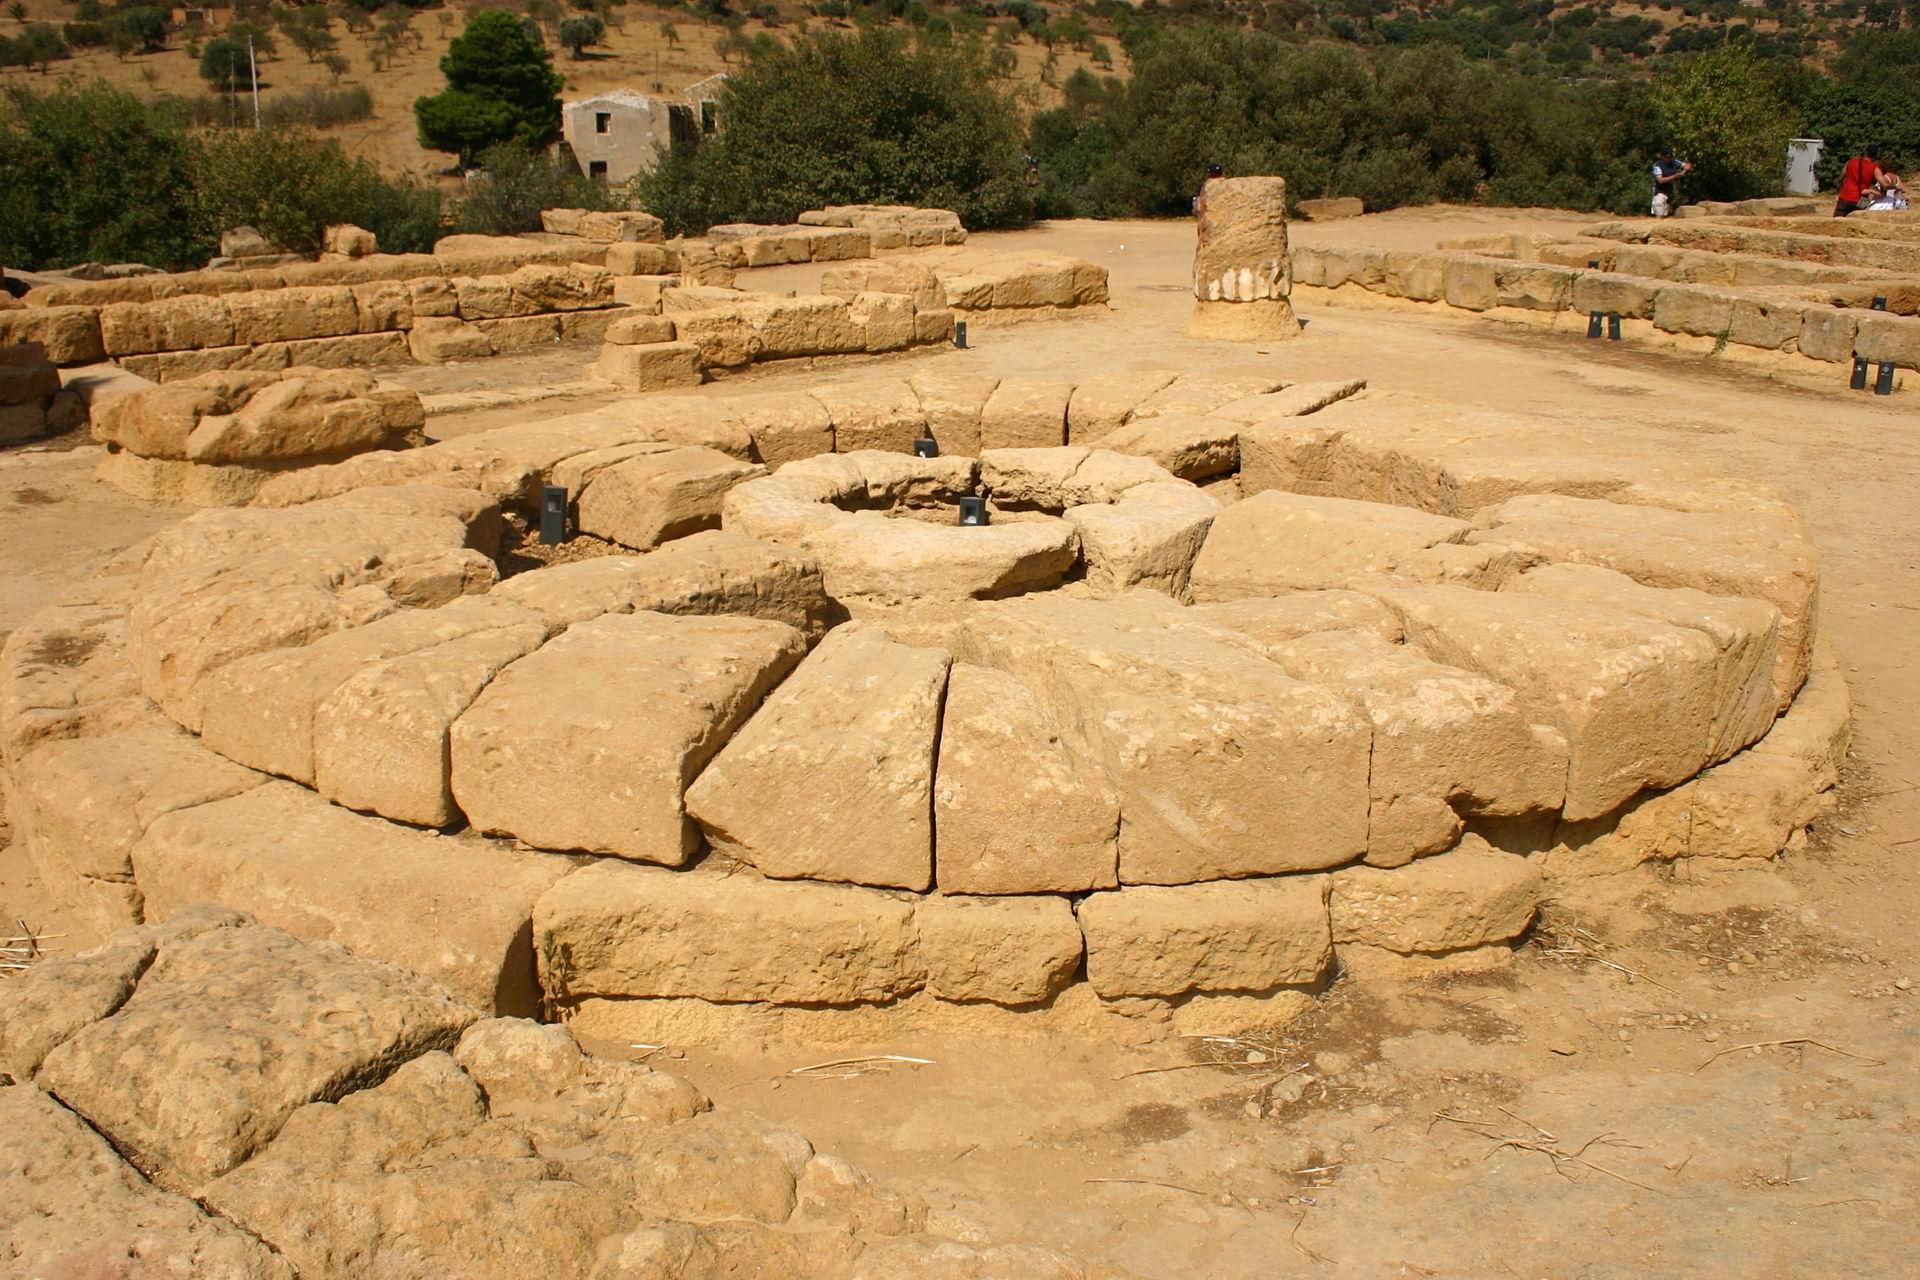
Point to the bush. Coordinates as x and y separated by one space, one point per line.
1724 112
514 184
317 108
838 118
291 185
225 64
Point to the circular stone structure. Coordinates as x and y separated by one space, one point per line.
1421 667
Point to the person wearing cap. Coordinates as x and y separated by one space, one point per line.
1667 172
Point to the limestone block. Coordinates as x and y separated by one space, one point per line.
81 805
1296 401
282 315
1192 448
1102 403
808 325
1014 809
1276 542
22 422
1353 264
638 331
1010 951
872 415
70 334
639 258
260 707
165 324
725 337
1760 554
349 241
1218 756
1201 393
325 414
442 339
1275 620
885 318
1694 309
1410 274
612 227
26 375
656 497
590 742
433 296
833 778
649 368
1330 207
354 351
784 425
1247 935
285 855
1242 250
1534 286
206 1060
621 930
1827 333
572 286
1745 632
1471 283
1772 324
934 325
519 333
1024 413
67 1202
1447 744
383 305
381 737
1149 537
869 560
1817 727
1633 697
1472 895
1891 338
1629 296
951 403
910 278
643 292
708 573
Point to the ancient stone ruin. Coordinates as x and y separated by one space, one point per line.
1242 272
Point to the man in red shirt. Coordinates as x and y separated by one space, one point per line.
1862 176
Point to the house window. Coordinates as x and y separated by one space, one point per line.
603 122
709 118
597 170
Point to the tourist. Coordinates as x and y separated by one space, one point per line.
1667 173
1200 198
1862 182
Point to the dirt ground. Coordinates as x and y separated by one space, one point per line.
1576 1113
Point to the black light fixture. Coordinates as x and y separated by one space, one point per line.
960 333
924 447
973 509
1613 326
553 514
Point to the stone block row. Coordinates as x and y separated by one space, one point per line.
32 402
215 1097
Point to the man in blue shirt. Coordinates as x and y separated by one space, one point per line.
1667 172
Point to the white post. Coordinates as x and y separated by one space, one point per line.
253 65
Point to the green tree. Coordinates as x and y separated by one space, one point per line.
42 46
670 34
95 174
223 64
578 32
501 87
291 185
838 118
17 10
306 29
1724 112
146 24
336 65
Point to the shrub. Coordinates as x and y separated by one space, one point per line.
514 184
839 118
290 185
317 108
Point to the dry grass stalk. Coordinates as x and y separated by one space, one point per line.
1565 939
1546 1144
847 1068
1153 1182
18 952
1799 1040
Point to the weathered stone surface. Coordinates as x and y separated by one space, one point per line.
872 415
885 318
454 910
709 573
1025 413
784 425
1447 743
1762 555
808 325
659 496
1192 448
70 334
444 339
1635 698
69 1206
649 368
872 560
1014 810
951 403
381 737
1251 935
1296 401
833 778
1254 320
725 337
1274 620
282 315
1224 765
1149 537
1242 250
1745 632
1472 895
1102 403
623 930
165 324
1201 393
910 278
590 742
1273 543
81 805
208 1057
1010 951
